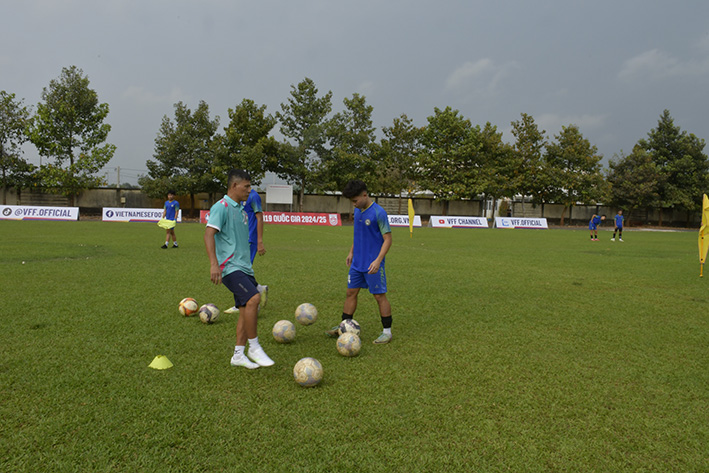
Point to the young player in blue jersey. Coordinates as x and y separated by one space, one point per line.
255 213
618 226
593 225
227 242
172 207
371 242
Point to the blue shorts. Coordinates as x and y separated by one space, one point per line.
242 285
376 283
592 226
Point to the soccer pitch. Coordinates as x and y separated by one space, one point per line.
513 350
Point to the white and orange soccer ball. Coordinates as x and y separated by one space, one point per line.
188 306
208 313
306 314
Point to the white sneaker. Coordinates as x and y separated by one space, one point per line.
241 360
620 239
259 356
613 239
263 290
233 310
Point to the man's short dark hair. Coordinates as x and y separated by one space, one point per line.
237 175
354 188
171 192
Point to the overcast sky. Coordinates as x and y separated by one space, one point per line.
610 67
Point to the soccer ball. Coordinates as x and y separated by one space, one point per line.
188 306
208 313
349 326
284 331
348 344
308 372
306 314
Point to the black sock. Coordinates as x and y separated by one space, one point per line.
386 322
346 316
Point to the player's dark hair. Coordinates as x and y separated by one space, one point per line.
172 192
354 188
237 175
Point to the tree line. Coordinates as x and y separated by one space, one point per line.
449 156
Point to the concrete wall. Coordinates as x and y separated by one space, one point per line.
92 201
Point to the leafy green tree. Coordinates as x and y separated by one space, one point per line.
634 181
247 143
532 177
399 151
679 156
304 120
495 165
353 147
185 155
448 169
69 128
575 167
14 117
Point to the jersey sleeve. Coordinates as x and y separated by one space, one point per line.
256 203
383 222
217 214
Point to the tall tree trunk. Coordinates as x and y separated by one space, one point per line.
563 213
301 194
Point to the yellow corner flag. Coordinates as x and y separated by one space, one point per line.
411 217
704 235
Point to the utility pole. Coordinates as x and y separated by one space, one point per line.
118 177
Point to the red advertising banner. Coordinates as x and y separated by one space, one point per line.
291 218
297 218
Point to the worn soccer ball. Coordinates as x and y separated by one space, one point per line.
208 313
306 314
348 344
308 372
349 326
284 331
188 306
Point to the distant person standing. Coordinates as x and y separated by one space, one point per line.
172 207
618 226
593 225
253 210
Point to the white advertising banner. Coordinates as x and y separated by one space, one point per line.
403 220
509 222
458 222
117 214
30 212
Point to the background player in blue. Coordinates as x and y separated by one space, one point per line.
227 242
170 213
371 242
618 226
593 226
253 209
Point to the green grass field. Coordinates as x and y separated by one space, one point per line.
513 350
